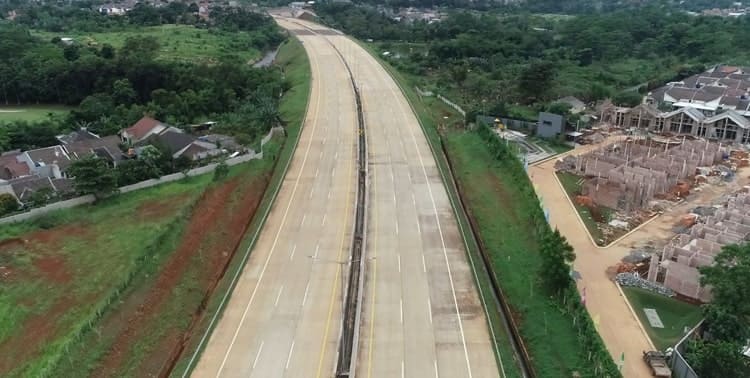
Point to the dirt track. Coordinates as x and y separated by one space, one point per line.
618 328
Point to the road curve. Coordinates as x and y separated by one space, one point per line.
283 318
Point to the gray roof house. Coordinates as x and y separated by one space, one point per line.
46 162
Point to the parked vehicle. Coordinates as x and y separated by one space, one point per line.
657 361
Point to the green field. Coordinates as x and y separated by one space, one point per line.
30 113
177 42
674 314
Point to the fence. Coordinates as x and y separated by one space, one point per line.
520 125
680 367
87 199
452 105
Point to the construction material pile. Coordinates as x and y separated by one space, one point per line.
634 280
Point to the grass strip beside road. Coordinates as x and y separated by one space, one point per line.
292 60
676 315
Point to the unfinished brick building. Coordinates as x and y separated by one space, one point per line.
677 267
628 175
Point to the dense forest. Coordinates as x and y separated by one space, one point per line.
527 59
113 87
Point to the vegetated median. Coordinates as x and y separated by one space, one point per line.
118 288
293 62
559 335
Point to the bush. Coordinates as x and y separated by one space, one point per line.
8 203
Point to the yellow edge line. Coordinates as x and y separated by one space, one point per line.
338 269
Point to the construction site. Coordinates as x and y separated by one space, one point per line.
626 182
708 230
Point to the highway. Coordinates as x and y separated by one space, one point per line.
283 318
421 314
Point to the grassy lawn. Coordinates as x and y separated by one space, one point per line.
67 267
30 113
676 315
293 60
177 42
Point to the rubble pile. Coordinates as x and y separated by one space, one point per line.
634 280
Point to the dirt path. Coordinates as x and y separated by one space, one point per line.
619 329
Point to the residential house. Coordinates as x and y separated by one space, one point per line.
181 144
143 129
46 162
82 143
24 188
719 89
11 167
727 126
225 142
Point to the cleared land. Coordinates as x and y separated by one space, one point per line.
177 42
675 315
123 278
30 113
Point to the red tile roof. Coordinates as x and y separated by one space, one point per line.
142 127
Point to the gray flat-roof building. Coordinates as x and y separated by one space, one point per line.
550 125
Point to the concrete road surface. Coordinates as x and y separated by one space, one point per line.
284 316
421 313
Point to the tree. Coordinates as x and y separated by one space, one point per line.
107 51
71 53
728 315
92 175
535 81
8 203
123 92
151 158
41 197
556 255
560 108
717 359
628 99
221 171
